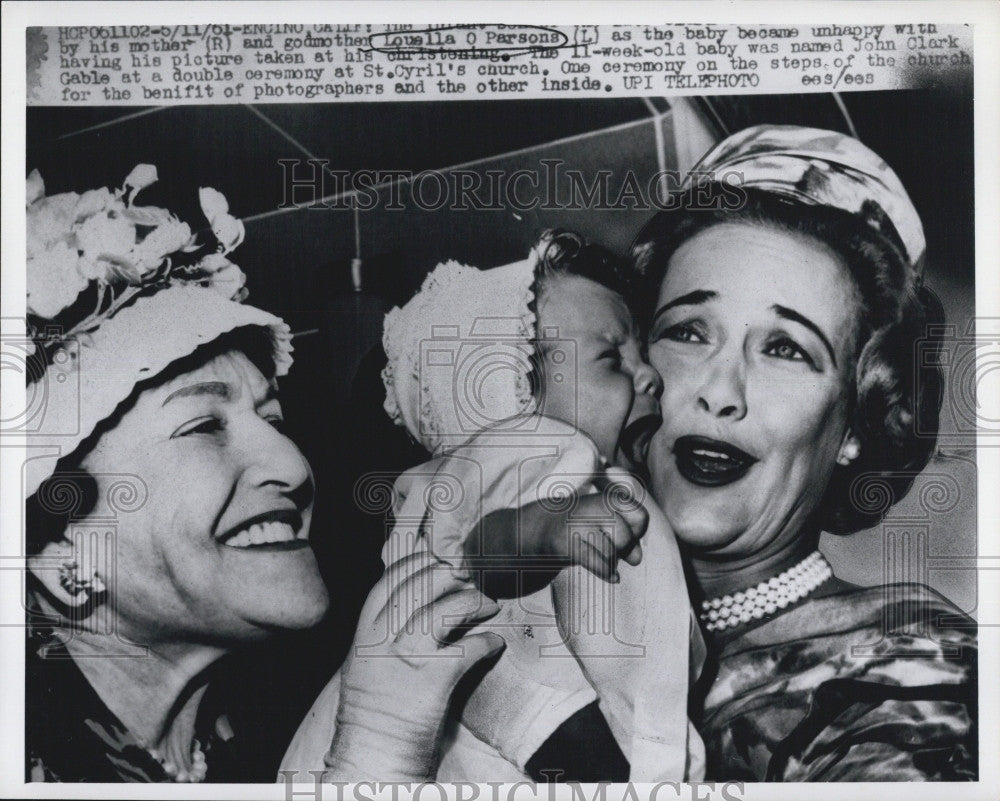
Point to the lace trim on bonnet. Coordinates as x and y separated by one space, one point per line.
459 353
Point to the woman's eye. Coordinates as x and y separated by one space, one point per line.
683 332
788 350
204 425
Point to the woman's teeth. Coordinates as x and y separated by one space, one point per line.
710 454
262 534
709 462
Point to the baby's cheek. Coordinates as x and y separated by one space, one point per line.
558 400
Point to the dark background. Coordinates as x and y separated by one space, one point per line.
298 266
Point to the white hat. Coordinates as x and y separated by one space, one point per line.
460 354
159 296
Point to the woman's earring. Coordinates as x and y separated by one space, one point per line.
69 580
848 453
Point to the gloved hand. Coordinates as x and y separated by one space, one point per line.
409 652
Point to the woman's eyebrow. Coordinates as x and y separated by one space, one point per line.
689 299
216 388
794 316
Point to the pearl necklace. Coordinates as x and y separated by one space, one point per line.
199 766
754 603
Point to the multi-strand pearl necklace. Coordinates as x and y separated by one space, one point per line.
199 766
755 603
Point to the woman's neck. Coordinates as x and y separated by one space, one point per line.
155 694
716 576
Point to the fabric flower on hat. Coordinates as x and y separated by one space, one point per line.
167 238
223 276
103 243
142 175
50 219
227 228
95 200
53 280
106 237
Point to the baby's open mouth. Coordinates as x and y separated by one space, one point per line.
636 437
272 530
711 462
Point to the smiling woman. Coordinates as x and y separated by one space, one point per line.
183 575
175 526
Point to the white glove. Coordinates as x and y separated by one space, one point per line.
408 655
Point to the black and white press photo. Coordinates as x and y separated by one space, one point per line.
482 408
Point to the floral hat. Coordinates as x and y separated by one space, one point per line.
819 167
116 293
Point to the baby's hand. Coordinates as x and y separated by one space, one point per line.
606 526
597 531
515 552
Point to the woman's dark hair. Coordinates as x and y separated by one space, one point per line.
563 253
896 400
71 493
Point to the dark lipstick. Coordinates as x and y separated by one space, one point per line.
710 462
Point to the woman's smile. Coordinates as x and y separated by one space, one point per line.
279 527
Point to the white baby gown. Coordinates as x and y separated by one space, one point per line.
633 646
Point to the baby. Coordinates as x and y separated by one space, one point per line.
528 385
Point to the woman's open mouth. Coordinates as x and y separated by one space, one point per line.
275 531
710 462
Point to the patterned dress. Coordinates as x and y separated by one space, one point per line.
71 735
869 684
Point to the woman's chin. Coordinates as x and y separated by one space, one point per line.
700 529
281 591
303 616
705 540
298 613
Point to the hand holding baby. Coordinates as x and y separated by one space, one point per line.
413 633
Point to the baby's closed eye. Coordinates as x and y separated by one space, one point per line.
612 355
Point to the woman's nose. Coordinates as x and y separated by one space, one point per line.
276 461
723 393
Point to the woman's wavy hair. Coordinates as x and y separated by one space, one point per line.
895 401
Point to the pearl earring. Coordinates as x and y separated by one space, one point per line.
69 580
850 452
